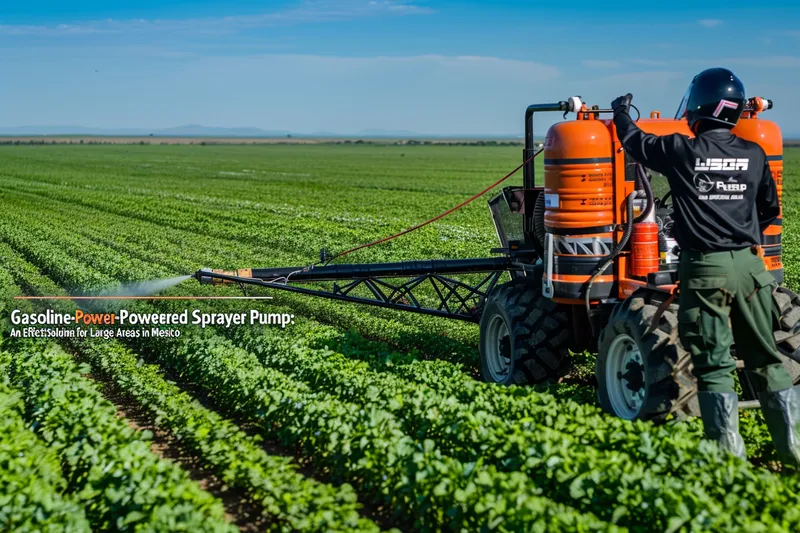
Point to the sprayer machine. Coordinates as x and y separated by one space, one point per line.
586 262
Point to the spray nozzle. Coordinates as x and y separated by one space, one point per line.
205 275
201 277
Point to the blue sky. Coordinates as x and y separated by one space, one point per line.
349 65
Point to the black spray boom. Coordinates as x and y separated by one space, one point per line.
354 271
389 285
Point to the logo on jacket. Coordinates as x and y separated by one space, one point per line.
724 164
703 183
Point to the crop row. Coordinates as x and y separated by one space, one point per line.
109 472
109 468
382 357
290 501
31 485
365 446
32 488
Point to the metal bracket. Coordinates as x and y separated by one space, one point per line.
547 279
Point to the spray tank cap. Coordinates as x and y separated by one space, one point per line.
574 103
758 104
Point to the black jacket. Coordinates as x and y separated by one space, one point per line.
722 189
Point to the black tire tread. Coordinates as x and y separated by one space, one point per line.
788 337
671 386
540 330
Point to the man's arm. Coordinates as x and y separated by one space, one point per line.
767 199
650 150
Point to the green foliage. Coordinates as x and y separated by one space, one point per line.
366 445
108 467
31 485
290 501
359 398
363 446
661 471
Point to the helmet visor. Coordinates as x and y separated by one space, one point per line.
682 108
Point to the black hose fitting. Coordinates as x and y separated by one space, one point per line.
609 259
644 183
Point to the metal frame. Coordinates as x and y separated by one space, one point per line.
391 285
452 304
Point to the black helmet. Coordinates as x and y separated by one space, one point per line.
716 95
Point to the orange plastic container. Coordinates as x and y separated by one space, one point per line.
644 249
578 177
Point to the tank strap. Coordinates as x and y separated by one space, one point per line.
580 231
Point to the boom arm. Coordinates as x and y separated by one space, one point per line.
389 285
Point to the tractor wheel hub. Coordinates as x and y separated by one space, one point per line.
625 377
498 348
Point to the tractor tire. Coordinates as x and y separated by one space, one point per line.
788 336
641 375
524 337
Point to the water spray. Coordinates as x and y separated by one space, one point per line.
143 288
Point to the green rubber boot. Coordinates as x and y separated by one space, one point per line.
720 413
782 413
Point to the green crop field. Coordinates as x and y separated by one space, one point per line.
351 419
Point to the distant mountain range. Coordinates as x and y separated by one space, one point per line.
196 130
188 130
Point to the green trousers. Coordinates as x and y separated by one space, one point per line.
725 297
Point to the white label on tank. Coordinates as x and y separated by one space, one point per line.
551 200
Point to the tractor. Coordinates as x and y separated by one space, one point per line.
590 262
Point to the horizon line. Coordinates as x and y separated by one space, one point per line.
267 135
793 137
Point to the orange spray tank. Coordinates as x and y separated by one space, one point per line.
580 206
768 135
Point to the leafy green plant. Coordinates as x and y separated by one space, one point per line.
107 465
32 489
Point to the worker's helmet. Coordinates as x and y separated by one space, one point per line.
716 95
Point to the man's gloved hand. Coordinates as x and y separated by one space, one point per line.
622 104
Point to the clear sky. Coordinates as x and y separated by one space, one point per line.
349 65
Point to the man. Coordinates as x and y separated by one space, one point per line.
719 218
